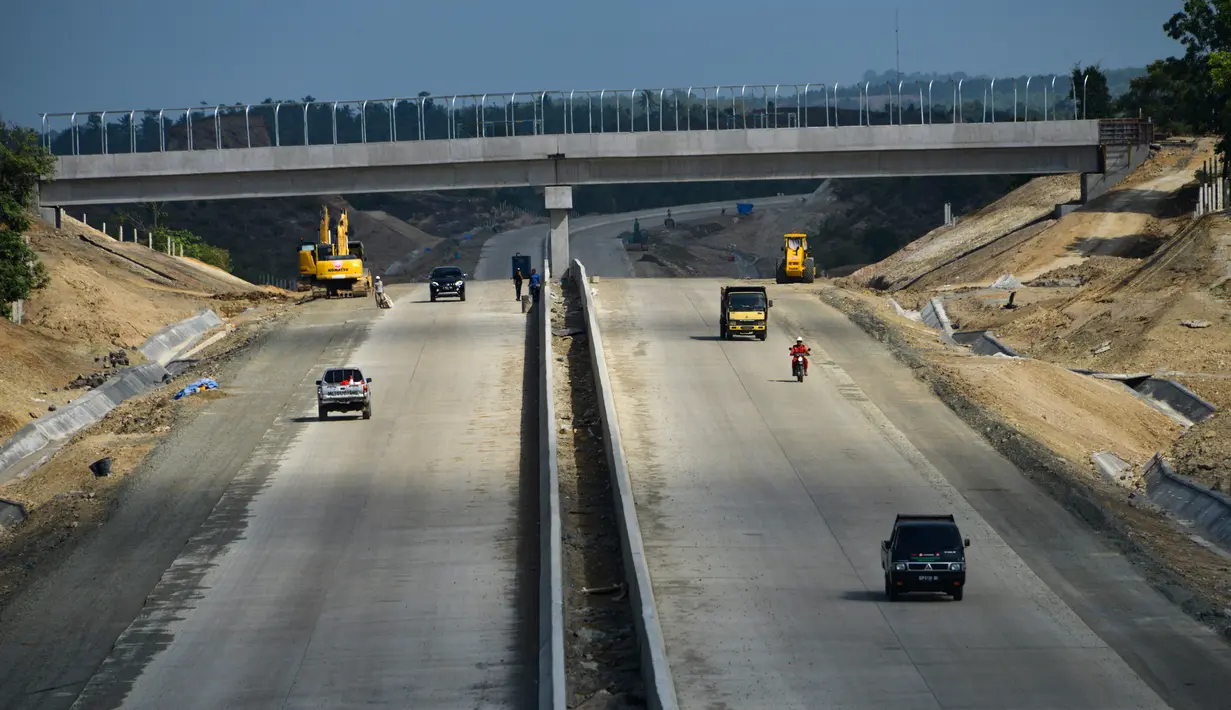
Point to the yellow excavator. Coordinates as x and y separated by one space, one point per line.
334 270
796 264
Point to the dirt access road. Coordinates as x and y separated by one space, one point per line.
261 557
763 502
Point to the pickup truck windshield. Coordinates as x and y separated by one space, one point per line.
447 274
927 540
335 377
747 302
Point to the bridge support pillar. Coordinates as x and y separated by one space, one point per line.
559 199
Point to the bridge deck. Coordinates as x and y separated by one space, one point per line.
1035 147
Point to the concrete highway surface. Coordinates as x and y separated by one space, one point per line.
595 240
349 563
763 502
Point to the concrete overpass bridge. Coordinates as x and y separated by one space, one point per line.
554 140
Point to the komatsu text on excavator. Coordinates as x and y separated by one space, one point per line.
332 269
796 264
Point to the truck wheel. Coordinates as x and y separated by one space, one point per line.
763 335
890 593
809 270
367 411
957 594
321 413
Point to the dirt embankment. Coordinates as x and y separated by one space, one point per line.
1025 206
1047 420
64 499
103 297
103 300
1128 283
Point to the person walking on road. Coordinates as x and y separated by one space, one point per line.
536 282
517 279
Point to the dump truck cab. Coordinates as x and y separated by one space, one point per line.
796 264
744 310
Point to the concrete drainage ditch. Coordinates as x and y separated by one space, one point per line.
1168 396
34 443
1206 508
982 342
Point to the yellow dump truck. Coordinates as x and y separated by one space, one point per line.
337 269
796 264
744 310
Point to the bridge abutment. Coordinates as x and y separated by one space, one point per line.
559 201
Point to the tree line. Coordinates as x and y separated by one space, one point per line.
1189 94
23 162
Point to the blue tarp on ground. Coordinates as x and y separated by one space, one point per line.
743 208
205 383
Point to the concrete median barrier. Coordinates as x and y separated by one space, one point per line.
659 686
551 557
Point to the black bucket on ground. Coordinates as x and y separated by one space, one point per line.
101 467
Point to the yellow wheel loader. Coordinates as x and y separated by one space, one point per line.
796 264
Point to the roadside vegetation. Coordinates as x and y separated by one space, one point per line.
23 162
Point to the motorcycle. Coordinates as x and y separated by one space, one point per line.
797 367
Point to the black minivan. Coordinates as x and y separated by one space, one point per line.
925 553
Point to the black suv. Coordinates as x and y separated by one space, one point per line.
926 553
447 281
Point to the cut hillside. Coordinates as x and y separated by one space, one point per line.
1128 283
1129 221
1048 421
1032 203
103 297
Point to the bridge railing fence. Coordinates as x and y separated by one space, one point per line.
636 110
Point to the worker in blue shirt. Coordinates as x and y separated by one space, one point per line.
536 283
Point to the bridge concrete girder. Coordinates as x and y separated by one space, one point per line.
579 159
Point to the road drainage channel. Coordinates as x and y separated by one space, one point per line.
601 655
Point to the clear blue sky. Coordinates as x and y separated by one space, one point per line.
79 55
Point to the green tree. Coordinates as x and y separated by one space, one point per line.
23 162
1093 97
1191 93
193 246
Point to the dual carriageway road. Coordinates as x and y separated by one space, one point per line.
391 562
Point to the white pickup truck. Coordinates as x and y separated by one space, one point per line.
343 389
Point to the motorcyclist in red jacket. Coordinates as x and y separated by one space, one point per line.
800 349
